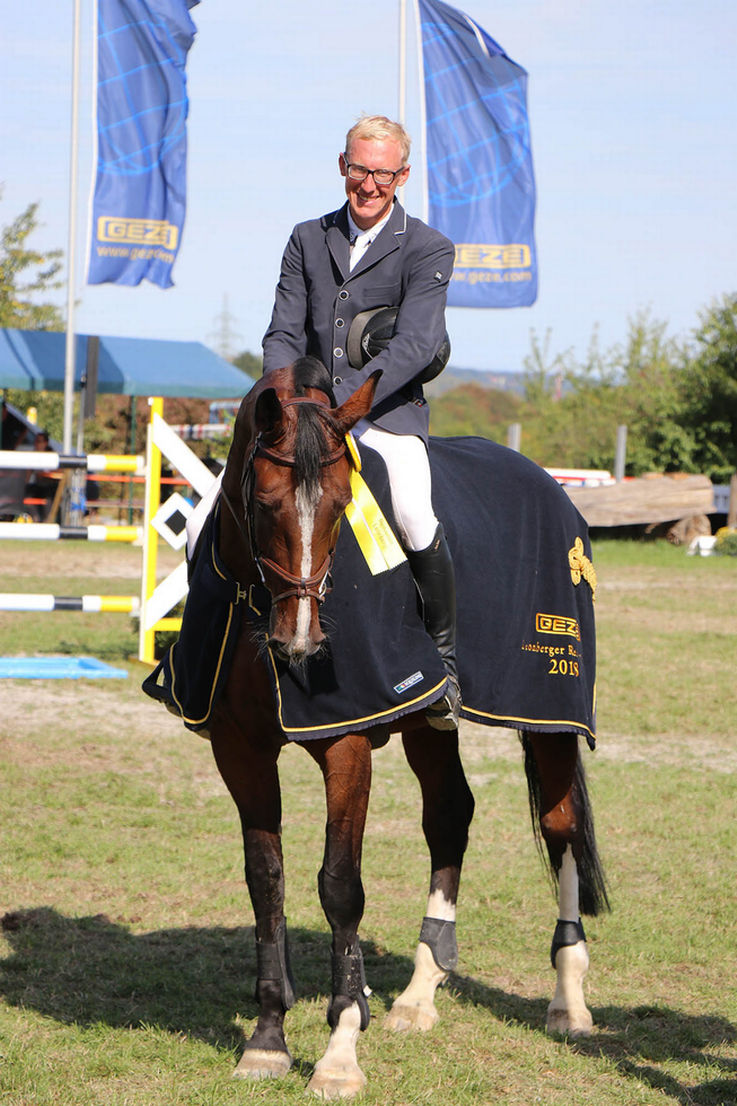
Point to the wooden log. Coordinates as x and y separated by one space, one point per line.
645 500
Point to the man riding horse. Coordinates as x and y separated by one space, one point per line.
336 271
263 568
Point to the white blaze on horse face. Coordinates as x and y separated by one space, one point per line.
306 508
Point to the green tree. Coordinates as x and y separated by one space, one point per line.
710 391
573 408
473 410
25 275
249 363
569 419
651 365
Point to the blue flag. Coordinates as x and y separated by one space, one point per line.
140 189
481 187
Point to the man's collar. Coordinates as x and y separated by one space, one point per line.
355 231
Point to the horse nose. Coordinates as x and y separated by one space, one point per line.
296 644
294 652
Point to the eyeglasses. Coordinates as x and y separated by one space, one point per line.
381 176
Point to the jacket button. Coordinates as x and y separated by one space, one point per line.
337 380
343 295
340 322
337 352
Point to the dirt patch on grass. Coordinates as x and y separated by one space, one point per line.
98 560
101 716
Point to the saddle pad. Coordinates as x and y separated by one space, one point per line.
526 637
193 671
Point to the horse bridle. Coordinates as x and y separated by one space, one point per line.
317 585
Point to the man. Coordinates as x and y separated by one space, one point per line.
366 255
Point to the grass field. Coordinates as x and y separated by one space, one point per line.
126 955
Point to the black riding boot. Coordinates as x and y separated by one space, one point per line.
432 569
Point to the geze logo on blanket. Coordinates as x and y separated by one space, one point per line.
409 682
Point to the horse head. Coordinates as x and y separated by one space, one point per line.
288 475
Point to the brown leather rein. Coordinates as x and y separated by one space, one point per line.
317 585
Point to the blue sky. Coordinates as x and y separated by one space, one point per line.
633 114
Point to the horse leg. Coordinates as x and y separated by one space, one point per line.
250 773
447 810
346 767
561 813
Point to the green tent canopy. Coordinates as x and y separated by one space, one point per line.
34 360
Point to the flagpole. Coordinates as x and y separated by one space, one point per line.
402 61
423 112
71 245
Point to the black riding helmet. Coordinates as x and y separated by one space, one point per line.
370 333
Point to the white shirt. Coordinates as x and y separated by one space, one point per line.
362 239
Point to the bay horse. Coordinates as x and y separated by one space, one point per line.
284 491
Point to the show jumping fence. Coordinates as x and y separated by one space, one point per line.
53 531
156 599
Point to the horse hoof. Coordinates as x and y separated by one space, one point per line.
569 1023
258 1063
404 1018
337 1082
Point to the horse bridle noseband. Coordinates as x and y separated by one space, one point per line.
311 587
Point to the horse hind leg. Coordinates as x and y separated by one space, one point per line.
447 809
562 818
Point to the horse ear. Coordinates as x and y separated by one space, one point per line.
358 405
268 411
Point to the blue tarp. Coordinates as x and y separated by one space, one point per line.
58 668
34 360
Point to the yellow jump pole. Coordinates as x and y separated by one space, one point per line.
150 536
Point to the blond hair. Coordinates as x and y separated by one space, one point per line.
378 127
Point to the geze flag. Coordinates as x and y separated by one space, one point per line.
481 187
140 188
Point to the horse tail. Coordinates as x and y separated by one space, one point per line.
592 887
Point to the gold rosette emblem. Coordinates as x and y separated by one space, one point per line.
581 567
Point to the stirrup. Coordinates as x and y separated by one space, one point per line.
445 712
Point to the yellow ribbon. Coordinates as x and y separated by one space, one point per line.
373 533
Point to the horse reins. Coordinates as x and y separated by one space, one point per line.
317 585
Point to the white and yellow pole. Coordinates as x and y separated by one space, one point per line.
152 502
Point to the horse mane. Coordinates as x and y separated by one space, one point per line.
312 446
309 372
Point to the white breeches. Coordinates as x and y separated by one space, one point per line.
408 465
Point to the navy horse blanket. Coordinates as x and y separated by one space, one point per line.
525 592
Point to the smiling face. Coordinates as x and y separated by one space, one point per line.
370 202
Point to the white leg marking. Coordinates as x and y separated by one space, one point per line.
306 507
337 1074
567 1012
415 1007
439 907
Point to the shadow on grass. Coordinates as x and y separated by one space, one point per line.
193 980
91 970
635 1040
